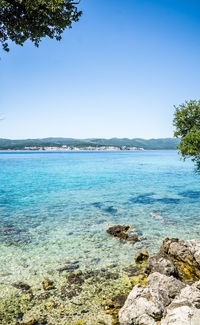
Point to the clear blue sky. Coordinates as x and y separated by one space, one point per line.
117 73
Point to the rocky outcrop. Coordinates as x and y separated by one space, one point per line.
124 232
185 255
178 258
146 305
172 294
185 308
162 264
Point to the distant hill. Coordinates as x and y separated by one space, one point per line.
163 143
150 144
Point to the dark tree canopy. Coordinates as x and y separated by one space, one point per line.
187 123
22 20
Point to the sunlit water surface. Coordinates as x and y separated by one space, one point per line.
56 207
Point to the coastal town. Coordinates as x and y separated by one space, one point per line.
88 148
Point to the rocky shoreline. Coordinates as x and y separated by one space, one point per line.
160 289
172 292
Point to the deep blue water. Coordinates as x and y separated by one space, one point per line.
57 206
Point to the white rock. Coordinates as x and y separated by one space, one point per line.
145 305
183 315
184 308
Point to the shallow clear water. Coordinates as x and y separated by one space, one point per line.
57 206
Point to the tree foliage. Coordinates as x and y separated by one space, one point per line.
187 124
22 20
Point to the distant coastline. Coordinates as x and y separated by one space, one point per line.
70 144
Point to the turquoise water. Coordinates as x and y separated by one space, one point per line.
56 207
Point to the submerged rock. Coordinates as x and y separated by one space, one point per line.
9 230
68 268
133 238
48 284
21 286
110 275
71 294
75 278
133 270
124 232
141 256
113 306
119 300
91 273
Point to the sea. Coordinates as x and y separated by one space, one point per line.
56 207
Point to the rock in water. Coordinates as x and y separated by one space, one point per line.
123 232
119 231
141 256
